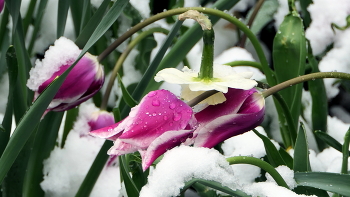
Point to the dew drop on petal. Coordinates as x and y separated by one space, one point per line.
154 114
172 105
165 117
177 117
155 102
151 94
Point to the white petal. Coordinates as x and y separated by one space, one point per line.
173 75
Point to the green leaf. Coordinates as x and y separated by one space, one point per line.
204 191
14 9
344 168
71 116
272 153
86 14
329 140
12 67
305 14
286 157
29 16
288 129
37 24
77 14
106 22
131 188
24 66
214 185
62 13
289 57
126 95
332 182
133 14
13 182
145 48
301 152
44 143
319 110
92 24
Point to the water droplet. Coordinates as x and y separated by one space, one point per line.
177 116
165 117
152 94
155 102
154 114
172 105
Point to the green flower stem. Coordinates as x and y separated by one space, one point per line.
344 167
206 70
255 42
261 164
122 58
245 63
303 78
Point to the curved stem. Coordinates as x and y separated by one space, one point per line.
201 97
303 78
251 20
255 42
261 164
122 58
245 63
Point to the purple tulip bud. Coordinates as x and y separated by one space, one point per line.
2 3
242 111
160 122
84 80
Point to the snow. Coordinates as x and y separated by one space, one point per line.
286 173
62 53
66 168
247 144
181 164
323 13
239 54
142 7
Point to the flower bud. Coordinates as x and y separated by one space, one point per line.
83 81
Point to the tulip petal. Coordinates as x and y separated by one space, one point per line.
159 146
158 112
111 132
243 111
121 148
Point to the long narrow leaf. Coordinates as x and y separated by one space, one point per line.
329 140
126 95
92 24
62 13
106 22
301 152
7 121
332 182
44 143
272 153
14 8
